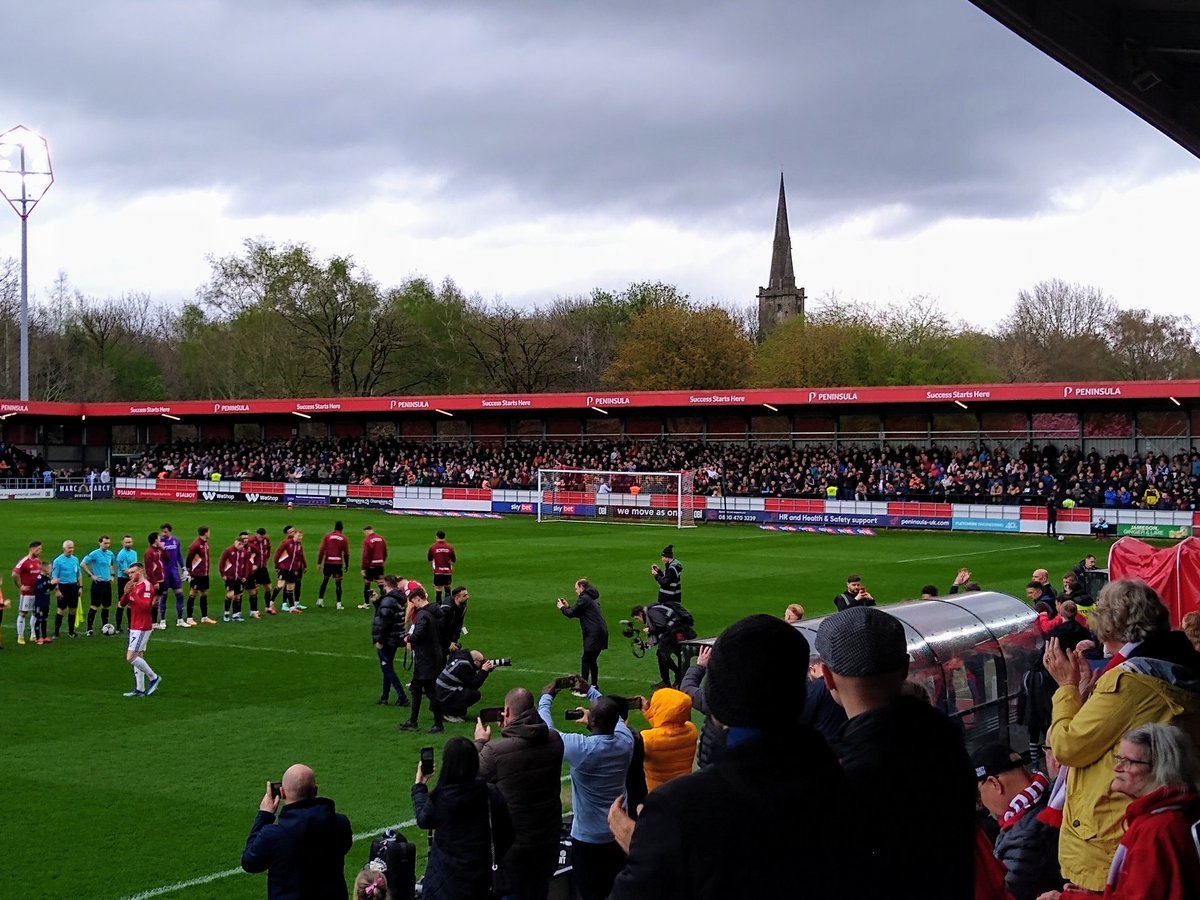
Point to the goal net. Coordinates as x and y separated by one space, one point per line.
597 495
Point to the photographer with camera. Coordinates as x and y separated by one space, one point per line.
667 626
304 852
457 686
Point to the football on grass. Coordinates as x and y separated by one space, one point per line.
109 628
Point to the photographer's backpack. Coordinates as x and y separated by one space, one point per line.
397 858
680 622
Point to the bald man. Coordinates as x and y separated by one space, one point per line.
304 853
1042 577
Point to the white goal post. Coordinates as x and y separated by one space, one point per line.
637 498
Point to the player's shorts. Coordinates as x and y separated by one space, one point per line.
373 573
101 594
287 576
442 580
138 639
200 582
171 579
333 570
70 596
260 576
233 585
26 603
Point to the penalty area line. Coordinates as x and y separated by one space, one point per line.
962 555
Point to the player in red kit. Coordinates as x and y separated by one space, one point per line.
140 598
259 546
289 564
26 573
236 565
441 556
332 556
374 557
197 563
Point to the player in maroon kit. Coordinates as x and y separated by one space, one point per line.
441 556
140 597
289 564
154 573
236 565
259 546
374 557
331 560
26 573
196 561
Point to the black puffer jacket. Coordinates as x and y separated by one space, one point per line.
525 763
591 620
387 627
425 641
460 860
1029 850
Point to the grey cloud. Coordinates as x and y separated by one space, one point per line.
683 111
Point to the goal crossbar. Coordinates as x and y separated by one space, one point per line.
614 495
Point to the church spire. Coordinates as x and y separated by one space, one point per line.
782 275
780 300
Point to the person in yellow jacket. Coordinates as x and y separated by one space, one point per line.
670 740
1153 677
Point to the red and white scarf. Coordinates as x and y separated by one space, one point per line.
1025 801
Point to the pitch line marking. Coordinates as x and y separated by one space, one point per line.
961 555
229 873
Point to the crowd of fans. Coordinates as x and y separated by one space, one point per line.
973 473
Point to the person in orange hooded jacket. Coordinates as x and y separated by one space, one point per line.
671 738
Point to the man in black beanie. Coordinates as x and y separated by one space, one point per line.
902 758
770 818
669 577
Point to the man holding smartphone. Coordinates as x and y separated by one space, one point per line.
304 853
525 764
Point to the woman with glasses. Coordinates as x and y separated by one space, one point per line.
1156 767
1153 677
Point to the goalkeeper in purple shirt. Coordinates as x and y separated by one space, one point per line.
172 557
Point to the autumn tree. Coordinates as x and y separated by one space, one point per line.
676 347
1146 345
1055 332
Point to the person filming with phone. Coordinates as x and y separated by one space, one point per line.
525 763
304 852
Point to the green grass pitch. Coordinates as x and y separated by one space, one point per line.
106 797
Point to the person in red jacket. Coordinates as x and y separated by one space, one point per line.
441 557
374 557
332 556
1157 767
197 562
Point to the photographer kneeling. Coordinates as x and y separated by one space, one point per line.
457 687
667 626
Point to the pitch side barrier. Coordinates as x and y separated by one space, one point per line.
778 511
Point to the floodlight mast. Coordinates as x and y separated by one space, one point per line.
25 176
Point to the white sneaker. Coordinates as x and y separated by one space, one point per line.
161 626
180 623
236 617
256 614
454 719
340 607
320 603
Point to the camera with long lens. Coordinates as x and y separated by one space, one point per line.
503 661
633 631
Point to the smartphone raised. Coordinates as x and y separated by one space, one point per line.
565 683
276 789
426 760
490 714
573 715
637 702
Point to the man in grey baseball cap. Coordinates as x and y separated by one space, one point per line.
905 761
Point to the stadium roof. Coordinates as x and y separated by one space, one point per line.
1145 54
792 400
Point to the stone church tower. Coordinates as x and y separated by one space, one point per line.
780 300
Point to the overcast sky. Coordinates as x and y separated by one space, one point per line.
536 148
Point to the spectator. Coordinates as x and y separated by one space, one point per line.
592 626
893 749
1041 578
525 764
470 824
1073 590
1027 847
821 711
1191 628
670 741
370 884
303 853
929 592
598 762
793 614
1153 677
794 830
712 735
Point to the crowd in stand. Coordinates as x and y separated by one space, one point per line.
973 473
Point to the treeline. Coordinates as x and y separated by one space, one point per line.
275 321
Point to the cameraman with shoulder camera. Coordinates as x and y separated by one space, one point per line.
668 625
457 686
303 853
